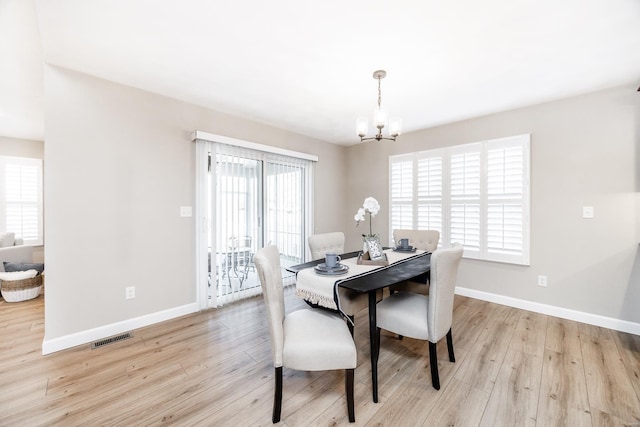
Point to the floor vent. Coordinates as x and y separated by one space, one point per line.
111 340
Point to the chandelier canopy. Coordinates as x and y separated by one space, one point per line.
379 118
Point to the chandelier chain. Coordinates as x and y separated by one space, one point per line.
379 93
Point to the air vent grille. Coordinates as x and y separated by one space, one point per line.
111 340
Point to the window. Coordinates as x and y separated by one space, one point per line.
476 194
21 198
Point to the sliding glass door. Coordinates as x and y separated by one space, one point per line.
253 199
238 232
284 214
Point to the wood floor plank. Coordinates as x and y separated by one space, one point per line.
481 367
336 414
608 383
562 336
459 405
629 348
530 333
215 368
563 391
470 322
514 399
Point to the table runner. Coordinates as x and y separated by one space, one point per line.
319 289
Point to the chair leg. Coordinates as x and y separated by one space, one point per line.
277 397
452 357
433 361
351 323
348 385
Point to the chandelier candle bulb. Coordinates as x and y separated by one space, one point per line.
380 117
395 126
362 126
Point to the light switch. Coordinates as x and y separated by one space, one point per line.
185 211
587 212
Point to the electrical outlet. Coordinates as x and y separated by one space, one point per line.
130 292
542 281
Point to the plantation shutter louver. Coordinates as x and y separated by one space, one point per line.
465 197
430 174
402 197
505 199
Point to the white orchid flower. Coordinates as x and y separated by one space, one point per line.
359 215
371 205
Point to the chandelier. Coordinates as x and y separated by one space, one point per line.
379 118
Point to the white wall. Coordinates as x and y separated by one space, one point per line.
584 152
120 163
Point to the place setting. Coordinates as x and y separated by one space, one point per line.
404 246
331 266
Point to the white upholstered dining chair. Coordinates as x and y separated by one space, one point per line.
426 240
425 317
306 339
351 302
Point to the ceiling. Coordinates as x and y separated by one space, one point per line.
306 66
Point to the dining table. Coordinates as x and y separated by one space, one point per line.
319 288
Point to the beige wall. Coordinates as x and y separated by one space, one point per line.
24 148
584 152
120 163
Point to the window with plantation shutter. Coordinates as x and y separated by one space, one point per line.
402 199
464 178
476 194
507 173
429 191
21 198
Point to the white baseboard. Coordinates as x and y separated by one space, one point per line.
72 340
563 313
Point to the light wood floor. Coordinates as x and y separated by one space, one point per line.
513 368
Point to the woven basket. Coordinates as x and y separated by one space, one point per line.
21 290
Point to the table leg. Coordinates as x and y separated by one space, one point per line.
373 343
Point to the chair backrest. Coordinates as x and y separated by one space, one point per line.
267 262
321 244
442 284
426 240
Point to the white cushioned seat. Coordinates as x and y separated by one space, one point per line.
317 340
404 312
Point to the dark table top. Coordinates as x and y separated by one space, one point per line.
410 268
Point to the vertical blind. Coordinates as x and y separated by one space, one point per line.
21 198
476 194
256 199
